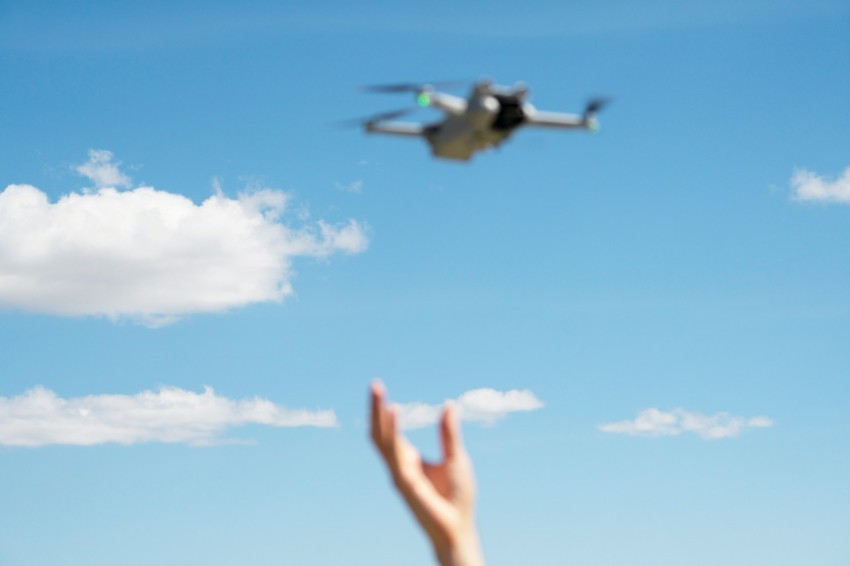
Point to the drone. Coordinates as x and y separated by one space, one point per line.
483 120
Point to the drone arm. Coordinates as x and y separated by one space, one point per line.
558 120
395 128
448 103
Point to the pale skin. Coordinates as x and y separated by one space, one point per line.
442 495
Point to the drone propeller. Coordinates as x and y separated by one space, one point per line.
392 114
594 105
410 87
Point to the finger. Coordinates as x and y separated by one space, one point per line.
396 444
377 396
382 436
450 432
391 424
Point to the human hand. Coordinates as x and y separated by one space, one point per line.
441 496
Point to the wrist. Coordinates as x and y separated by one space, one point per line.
465 550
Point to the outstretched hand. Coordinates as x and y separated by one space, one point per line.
441 496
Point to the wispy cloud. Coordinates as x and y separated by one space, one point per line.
485 406
355 187
654 422
40 417
152 255
102 171
810 186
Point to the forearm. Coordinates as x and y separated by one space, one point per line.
465 551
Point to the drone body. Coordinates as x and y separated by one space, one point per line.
481 121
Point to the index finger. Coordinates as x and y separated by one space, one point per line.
450 432
377 410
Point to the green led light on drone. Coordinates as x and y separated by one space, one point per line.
423 100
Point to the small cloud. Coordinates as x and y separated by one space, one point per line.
417 415
809 186
153 256
355 187
760 422
486 406
654 422
40 417
102 171
350 238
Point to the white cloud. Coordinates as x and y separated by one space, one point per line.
39 417
101 171
654 422
479 405
812 187
151 255
353 187
760 422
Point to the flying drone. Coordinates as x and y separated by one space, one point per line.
483 120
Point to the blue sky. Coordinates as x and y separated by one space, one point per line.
200 274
